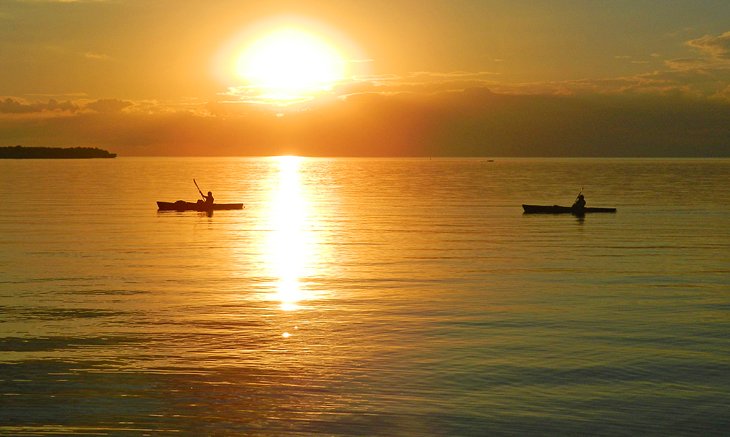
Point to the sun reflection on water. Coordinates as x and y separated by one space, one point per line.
290 245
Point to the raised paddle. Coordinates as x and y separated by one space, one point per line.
199 190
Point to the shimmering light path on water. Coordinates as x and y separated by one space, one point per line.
364 297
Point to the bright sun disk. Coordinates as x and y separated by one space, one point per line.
289 64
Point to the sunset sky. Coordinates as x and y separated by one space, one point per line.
346 77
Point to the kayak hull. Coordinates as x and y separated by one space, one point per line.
557 209
182 205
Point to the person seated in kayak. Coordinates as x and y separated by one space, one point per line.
208 199
580 202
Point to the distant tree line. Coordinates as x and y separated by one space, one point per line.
20 152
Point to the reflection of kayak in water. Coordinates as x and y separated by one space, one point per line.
556 209
182 205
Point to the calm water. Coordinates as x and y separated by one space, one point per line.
364 297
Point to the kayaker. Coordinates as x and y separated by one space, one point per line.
209 198
580 202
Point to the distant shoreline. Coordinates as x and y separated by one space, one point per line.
20 152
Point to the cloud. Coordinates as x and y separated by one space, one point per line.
436 79
717 47
16 106
686 63
690 77
108 105
54 108
687 80
97 56
10 106
416 82
705 75
421 82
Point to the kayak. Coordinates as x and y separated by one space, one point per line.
556 209
182 205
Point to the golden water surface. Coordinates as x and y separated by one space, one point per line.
364 297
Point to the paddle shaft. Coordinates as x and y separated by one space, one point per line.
199 190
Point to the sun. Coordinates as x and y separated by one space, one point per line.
290 64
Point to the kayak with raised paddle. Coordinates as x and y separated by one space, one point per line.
206 204
182 205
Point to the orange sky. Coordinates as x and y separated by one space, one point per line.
462 77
